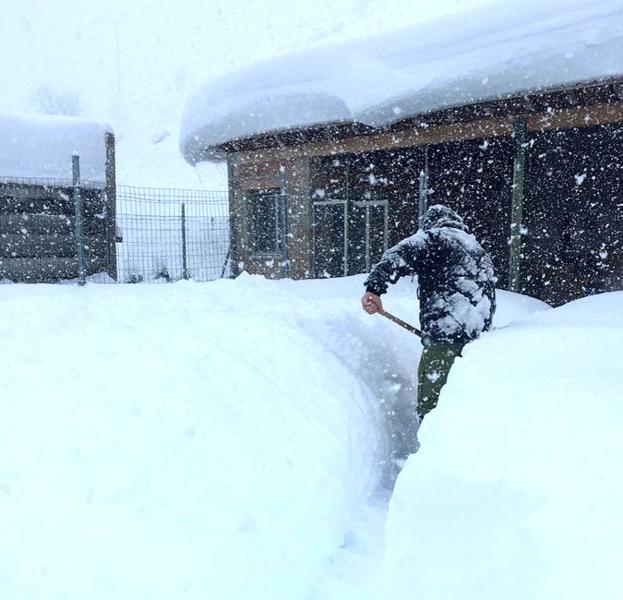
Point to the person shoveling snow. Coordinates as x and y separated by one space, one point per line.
456 287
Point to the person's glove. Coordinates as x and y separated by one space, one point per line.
371 303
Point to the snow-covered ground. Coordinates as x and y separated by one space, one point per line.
225 440
183 441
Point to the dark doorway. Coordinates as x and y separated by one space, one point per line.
382 191
475 179
350 219
329 238
574 214
367 234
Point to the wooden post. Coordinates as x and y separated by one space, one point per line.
111 199
520 130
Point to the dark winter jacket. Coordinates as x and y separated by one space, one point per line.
456 284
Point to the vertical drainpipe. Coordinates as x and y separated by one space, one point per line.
367 239
423 198
346 216
520 132
282 215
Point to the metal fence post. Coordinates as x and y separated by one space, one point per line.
520 131
184 256
75 169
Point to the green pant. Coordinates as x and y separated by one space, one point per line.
437 358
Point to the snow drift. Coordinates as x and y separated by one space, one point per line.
472 56
182 441
515 492
193 440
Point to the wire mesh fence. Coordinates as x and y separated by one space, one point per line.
168 234
127 234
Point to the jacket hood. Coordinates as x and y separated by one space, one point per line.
439 215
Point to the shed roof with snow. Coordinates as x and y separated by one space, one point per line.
471 57
41 147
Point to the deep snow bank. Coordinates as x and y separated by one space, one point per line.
195 440
182 441
516 490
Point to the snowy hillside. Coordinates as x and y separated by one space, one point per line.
222 440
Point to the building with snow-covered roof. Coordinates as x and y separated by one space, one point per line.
37 203
512 117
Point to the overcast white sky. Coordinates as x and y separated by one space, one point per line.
133 63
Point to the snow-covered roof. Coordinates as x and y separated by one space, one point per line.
482 54
41 146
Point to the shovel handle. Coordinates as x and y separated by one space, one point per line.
400 322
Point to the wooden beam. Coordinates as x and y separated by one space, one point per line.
36 224
420 136
585 116
43 246
267 182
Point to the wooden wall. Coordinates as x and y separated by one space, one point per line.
484 149
266 172
37 228
37 241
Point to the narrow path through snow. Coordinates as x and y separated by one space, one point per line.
353 573
356 572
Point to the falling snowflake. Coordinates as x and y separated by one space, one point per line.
579 179
433 376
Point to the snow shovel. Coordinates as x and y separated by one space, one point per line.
400 322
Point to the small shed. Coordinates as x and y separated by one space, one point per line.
513 116
37 198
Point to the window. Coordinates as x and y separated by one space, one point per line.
266 221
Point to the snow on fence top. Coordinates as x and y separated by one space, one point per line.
477 55
41 146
